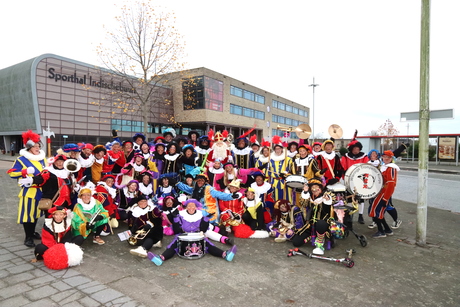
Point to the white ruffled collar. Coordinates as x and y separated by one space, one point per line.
87 207
275 157
244 151
198 215
146 189
264 159
58 227
389 165
60 173
30 156
138 211
328 156
172 157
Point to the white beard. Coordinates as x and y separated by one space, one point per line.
219 151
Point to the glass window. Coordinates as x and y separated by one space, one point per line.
289 108
236 91
260 115
274 103
281 119
234 109
288 121
248 95
295 110
248 112
281 106
274 118
260 99
301 112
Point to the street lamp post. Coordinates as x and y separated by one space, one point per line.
313 111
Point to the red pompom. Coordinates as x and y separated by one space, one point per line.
242 231
225 134
56 258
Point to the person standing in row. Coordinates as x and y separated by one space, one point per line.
30 163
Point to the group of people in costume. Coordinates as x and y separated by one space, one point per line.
196 186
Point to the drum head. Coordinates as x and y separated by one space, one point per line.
296 181
364 180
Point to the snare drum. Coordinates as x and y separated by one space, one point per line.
364 180
296 181
191 245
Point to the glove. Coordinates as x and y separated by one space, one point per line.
99 218
235 195
88 226
146 227
113 215
324 170
25 182
114 133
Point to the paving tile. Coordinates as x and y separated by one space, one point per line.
24 267
15 301
14 279
41 292
89 302
106 295
76 280
47 279
14 290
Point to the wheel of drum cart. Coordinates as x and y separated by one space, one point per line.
363 240
348 263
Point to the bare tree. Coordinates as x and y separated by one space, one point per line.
389 130
143 48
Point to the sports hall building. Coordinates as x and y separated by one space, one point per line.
83 103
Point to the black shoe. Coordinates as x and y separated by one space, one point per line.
29 242
229 241
360 219
37 236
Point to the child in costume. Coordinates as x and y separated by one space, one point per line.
56 230
145 219
83 223
191 220
282 226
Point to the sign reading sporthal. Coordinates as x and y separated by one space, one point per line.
89 81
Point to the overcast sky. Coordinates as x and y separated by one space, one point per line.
364 54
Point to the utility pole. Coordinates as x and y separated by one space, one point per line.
313 111
424 118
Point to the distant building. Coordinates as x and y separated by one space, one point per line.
83 103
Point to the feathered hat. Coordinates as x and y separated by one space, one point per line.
30 138
354 143
253 140
276 141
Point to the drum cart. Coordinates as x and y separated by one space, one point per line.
341 198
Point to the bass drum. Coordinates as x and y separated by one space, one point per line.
364 180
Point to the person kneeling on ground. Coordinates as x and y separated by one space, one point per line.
191 220
89 216
57 229
146 221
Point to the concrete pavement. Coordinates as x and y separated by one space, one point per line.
391 271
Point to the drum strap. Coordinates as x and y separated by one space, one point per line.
330 167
